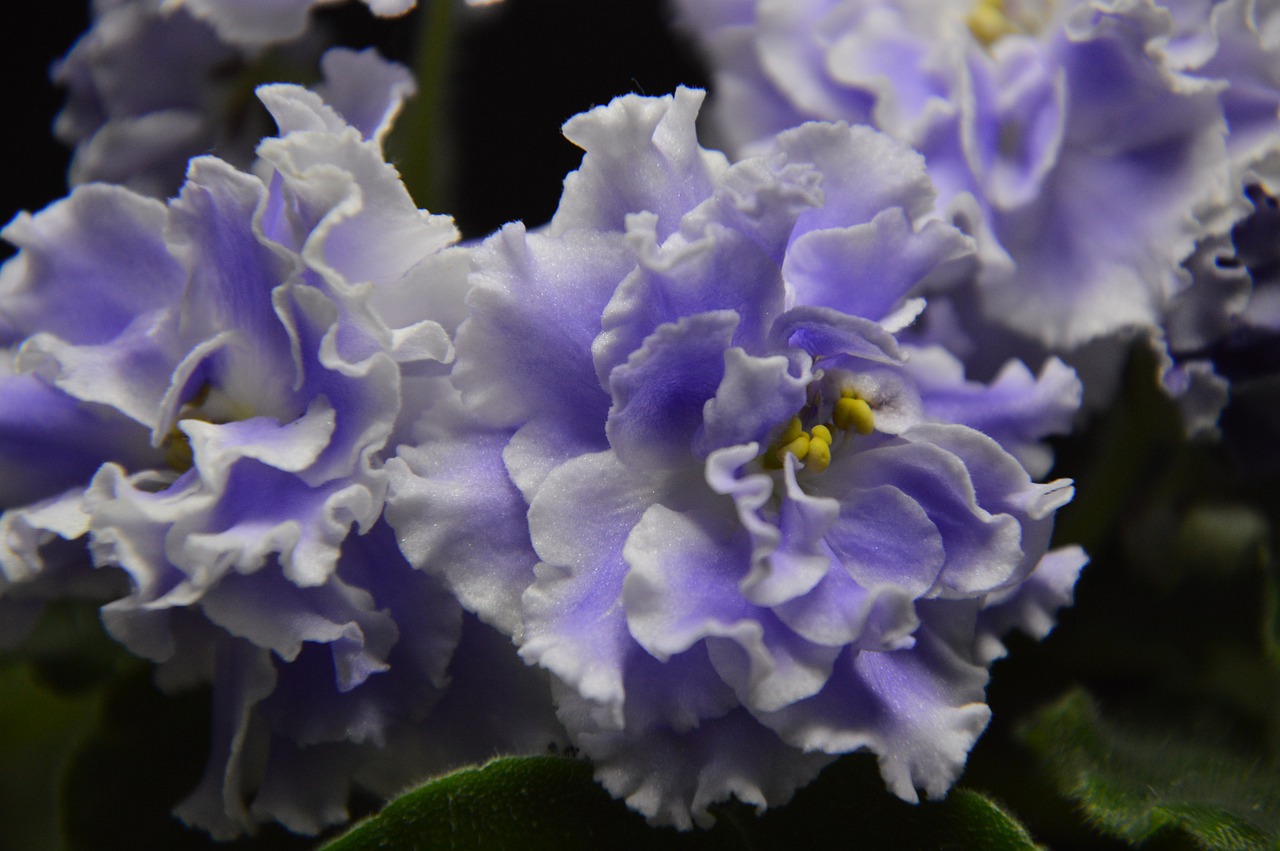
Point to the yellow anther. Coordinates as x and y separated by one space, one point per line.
177 451
819 454
854 414
793 430
207 405
798 447
821 434
988 22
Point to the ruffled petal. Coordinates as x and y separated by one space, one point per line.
1031 606
574 626
660 392
641 154
919 710
479 539
673 778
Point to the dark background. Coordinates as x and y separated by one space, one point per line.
32 163
1136 637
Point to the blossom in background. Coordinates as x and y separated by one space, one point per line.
692 471
150 86
1232 44
1059 134
1220 333
208 388
153 83
1222 340
255 22
145 92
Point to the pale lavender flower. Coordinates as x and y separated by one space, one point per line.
1220 334
1234 44
213 384
1222 338
691 470
132 125
259 22
1085 165
150 86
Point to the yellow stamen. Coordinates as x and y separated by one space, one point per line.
177 446
798 447
989 23
850 413
853 413
819 454
793 430
177 451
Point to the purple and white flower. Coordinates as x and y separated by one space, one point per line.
1232 44
149 86
258 22
1060 135
1219 334
212 385
692 471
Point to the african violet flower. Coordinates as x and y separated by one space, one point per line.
1218 331
1233 44
691 470
1221 344
256 22
150 86
132 125
212 384
1084 164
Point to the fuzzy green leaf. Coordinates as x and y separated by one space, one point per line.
551 802
1134 785
516 802
38 728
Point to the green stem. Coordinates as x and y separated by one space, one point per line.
1129 451
419 140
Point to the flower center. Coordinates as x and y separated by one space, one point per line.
992 20
988 22
207 405
849 413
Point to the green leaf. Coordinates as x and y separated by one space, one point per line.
849 807
1135 785
515 802
551 802
418 140
37 730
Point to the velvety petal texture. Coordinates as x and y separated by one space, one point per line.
1086 145
212 385
692 471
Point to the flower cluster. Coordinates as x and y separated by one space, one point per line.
1091 148
155 82
241 359
736 465
733 507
